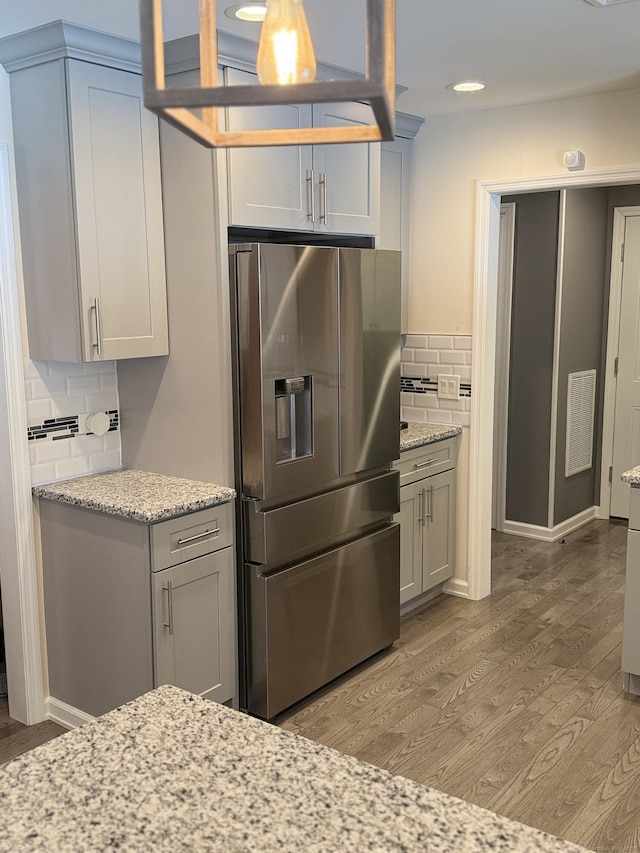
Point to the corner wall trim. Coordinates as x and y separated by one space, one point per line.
551 534
65 715
18 569
456 587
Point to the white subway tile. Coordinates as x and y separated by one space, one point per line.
469 357
407 354
42 474
64 368
104 368
101 401
406 399
30 369
111 441
418 370
47 386
86 445
105 461
453 405
108 380
416 415
73 467
464 373
53 451
440 342
64 407
83 384
463 419
37 411
416 341
452 357
437 416
462 342
428 355
435 369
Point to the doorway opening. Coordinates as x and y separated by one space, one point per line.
485 312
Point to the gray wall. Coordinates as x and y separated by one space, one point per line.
581 331
531 357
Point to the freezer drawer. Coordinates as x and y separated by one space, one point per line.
314 621
306 527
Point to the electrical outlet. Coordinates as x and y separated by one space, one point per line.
448 387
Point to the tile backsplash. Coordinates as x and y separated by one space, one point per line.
423 358
58 396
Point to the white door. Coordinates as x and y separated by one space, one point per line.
626 431
503 337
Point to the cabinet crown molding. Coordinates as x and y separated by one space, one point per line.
63 40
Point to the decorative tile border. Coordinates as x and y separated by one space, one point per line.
415 385
66 427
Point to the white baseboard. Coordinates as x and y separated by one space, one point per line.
456 587
551 534
65 715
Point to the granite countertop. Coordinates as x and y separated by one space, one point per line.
139 495
632 476
171 771
417 435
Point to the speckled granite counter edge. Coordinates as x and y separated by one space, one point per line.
632 477
139 495
419 434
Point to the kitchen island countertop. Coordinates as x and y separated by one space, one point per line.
418 434
171 771
139 495
632 477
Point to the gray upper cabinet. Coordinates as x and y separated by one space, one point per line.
89 196
324 188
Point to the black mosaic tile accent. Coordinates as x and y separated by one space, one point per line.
419 385
65 427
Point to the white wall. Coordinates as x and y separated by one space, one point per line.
452 153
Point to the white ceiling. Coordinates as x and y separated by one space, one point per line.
525 50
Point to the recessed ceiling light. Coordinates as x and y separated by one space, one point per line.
466 86
247 12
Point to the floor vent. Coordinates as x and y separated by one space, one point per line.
581 399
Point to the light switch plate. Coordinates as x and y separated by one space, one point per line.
448 387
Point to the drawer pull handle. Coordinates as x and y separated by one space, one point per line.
169 624
419 465
195 538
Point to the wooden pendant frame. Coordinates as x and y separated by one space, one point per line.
175 105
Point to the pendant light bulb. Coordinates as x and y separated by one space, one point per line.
285 54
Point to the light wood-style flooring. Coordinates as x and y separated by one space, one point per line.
515 702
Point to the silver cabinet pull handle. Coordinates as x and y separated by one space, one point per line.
424 507
419 465
311 197
419 516
323 182
96 310
195 538
169 624
430 493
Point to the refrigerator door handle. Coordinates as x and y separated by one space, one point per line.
311 197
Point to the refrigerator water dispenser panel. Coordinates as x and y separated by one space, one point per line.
294 421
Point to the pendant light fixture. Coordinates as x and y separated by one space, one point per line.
286 69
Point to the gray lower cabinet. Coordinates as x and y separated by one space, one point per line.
130 606
426 517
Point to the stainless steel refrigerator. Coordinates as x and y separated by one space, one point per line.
317 378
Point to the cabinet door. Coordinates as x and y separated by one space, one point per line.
438 531
269 187
395 184
410 520
347 175
118 209
194 626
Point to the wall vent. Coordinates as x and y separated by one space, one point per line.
581 399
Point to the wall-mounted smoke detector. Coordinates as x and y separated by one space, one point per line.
604 2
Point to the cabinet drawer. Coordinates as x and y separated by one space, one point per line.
426 460
187 536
